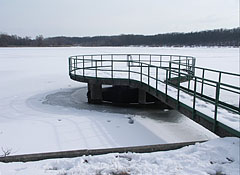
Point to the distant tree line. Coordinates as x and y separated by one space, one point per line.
218 37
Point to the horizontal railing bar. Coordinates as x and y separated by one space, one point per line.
118 54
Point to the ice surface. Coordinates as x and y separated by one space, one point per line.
31 121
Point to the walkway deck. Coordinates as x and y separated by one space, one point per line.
209 97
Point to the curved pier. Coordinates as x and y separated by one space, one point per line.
199 93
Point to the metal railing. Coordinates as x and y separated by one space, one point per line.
159 71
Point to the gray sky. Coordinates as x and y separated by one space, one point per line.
114 17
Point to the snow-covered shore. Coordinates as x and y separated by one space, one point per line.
216 157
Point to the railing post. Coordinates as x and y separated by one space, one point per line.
83 66
112 66
69 65
160 60
150 59
148 76
170 67
188 75
186 63
91 61
202 82
141 72
129 70
216 106
101 61
193 66
219 77
76 62
194 99
96 68
189 82
156 80
178 84
128 60
179 60
74 66
166 84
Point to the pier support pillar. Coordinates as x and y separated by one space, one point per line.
94 93
142 96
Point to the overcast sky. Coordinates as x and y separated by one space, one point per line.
114 17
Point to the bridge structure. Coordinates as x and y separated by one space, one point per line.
209 97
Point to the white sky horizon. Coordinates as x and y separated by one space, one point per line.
80 18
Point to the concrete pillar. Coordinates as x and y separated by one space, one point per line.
94 93
142 96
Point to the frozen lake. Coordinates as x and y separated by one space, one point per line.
42 109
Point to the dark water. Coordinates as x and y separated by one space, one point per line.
77 98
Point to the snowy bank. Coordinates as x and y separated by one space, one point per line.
215 157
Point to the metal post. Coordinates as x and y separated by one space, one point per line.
129 70
166 84
112 66
219 77
148 75
178 92
179 60
160 60
91 61
189 82
96 68
202 82
74 63
156 80
101 61
141 73
194 98
69 65
170 67
83 66
216 101
186 63
216 106
150 59
193 66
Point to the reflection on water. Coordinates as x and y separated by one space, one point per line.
77 98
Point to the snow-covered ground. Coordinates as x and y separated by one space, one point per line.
215 157
42 109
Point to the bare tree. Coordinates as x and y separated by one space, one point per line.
5 152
